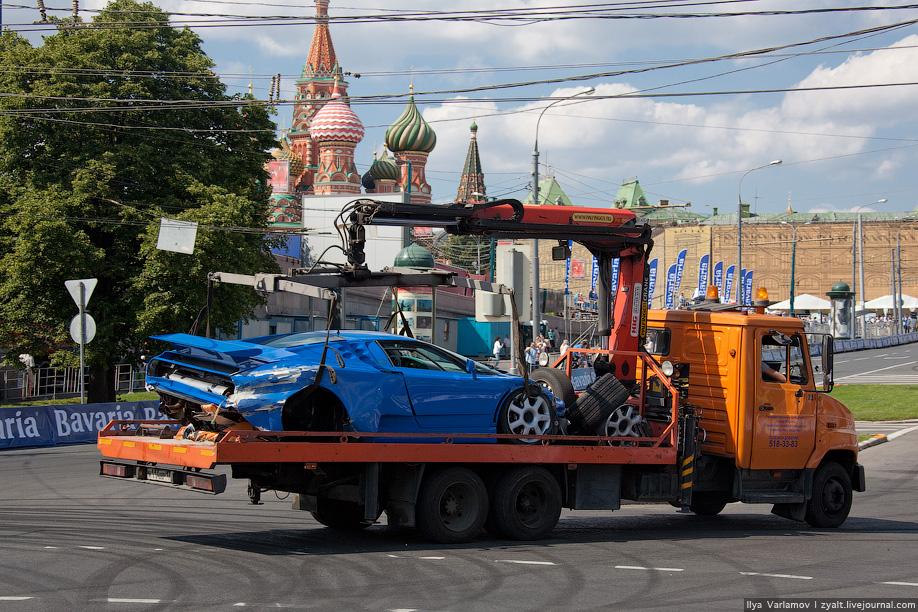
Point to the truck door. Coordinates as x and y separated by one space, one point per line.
785 403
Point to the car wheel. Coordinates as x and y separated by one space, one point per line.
527 416
593 408
558 383
452 506
831 499
526 504
340 514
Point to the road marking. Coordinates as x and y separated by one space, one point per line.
13 598
914 584
654 569
432 558
791 576
521 562
898 365
133 600
92 547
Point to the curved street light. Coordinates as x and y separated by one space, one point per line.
739 228
534 264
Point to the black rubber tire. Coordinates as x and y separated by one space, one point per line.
832 494
597 403
340 514
526 504
558 383
523 415
452 506
707 504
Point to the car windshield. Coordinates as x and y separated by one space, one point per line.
297 339
419 355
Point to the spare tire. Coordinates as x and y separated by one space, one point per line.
597 403
558 383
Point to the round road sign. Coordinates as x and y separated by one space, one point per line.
75 328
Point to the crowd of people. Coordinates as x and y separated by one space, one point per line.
549 343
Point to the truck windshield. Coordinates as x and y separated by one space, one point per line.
783 362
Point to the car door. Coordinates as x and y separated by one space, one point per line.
785 410
444 396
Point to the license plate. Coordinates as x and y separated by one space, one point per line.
159 475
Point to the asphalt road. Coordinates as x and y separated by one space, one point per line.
70 540
895 365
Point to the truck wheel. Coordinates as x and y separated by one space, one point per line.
831 499
526 504
529 416
340 514
597 403
558 383
452 506
707 504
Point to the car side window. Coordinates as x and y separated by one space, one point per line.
421 357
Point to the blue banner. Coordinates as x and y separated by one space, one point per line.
614 282
680 267
703 274
670 286
25 426
728 284
741 287
719 277
567 271
747 288
594 277
651 281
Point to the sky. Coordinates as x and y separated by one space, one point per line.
689 96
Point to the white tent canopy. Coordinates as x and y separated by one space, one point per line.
888 302
804 302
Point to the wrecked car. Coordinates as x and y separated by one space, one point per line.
355 381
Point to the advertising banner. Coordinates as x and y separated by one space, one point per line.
728 284
680 267
594 277
703 274
25 426
670 286
719 277
652 281
747 288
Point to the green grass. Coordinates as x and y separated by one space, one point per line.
124 397
879 402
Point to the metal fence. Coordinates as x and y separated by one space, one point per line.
53 383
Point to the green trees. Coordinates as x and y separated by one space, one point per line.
104 129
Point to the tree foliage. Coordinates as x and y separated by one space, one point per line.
112 126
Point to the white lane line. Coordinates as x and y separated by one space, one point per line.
901 432
791 576
133 600
879 370
914 584
13 598
521 562
432 558
653 569
92 547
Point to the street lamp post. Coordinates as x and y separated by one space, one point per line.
793 263
534 261
739 227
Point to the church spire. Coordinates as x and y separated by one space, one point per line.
471 185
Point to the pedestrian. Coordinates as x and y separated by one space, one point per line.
498 347
532 355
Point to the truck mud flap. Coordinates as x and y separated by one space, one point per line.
202 482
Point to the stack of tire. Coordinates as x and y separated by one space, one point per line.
596 404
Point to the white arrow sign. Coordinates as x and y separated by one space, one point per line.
73 286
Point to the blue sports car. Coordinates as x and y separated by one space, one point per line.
371 382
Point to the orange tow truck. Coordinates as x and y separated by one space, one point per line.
680 411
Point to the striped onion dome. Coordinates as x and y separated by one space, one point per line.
286 153
335 121
410 132
384 168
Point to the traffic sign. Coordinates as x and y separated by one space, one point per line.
73 286
75 328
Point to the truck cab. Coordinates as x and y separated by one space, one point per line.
768 430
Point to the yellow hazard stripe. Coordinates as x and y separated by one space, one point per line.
686 485
688 460
687 472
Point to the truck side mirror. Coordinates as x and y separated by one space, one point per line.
828 363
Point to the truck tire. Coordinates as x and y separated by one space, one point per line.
340 514
831 499
530 416
597 403
526 504
452 506
558 383
707 504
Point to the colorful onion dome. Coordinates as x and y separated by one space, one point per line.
335 121
286 153
410 132
368 182
384 169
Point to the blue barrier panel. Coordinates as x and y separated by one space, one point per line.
25 426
